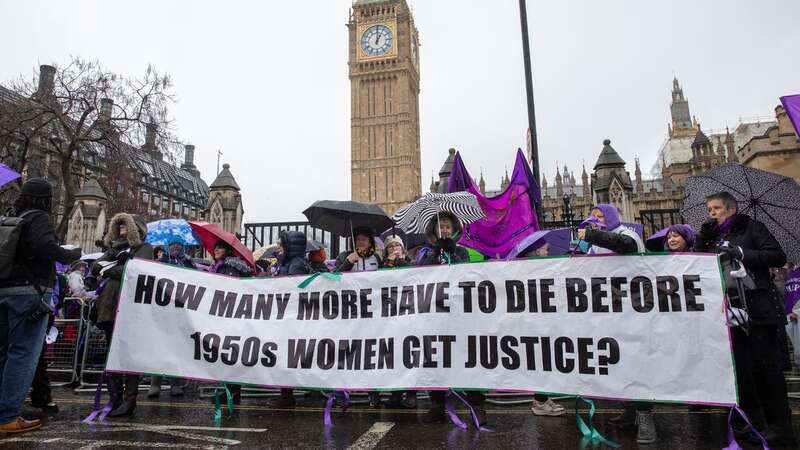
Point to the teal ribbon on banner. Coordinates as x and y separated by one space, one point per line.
587 429
333 276
218 408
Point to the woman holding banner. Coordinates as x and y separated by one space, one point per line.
443 232
227 263
607 235
125 240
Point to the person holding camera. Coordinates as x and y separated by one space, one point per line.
125 240
25 300
761 384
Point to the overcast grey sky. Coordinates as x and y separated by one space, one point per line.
266 81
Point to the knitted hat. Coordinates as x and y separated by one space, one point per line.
393 240
37 187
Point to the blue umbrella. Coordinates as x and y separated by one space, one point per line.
170 231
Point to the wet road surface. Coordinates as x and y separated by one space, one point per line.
187 423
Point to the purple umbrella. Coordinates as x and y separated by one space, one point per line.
558 240
7 175
655 243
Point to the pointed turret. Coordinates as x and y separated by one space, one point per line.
482 184
638 174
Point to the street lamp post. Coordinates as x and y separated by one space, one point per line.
566 213
526 55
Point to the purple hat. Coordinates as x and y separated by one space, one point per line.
686 232
611 215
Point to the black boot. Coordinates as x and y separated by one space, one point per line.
395 400
777 435
436 412
285 400
128 405
116 390
478 402
626 419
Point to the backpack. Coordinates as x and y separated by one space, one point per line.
10 233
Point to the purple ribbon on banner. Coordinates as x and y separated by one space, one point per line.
100 414
451 411
792 290
329 406
732 444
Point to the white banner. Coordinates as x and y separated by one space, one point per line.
628 327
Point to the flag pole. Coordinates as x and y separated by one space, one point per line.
526 56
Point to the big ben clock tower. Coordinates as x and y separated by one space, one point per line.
384 90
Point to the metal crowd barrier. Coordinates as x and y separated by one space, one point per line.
63 355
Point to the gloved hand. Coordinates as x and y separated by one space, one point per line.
448 245
707 230
123 257
734 252
737 316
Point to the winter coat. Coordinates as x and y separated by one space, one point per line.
318 266
434 255
620 240
368 264
181 261
233 266
293 260
760 251
120 250
37 253
398 262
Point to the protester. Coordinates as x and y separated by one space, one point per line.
175 256
316 260
542 405
76 283
292 262
159 253
226 262
125 240
680 238
395 253
606 233
364 258
24 298
395 256
760 381
442 232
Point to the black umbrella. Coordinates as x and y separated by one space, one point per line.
341 217
772 199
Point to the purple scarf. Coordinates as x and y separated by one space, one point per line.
214 268
725 227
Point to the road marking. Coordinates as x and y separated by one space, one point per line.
371 437
94 443
165 430
184 427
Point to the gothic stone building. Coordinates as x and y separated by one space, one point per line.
163 189
384 89
688 150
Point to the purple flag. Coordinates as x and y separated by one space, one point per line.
509 216
791 103
792 289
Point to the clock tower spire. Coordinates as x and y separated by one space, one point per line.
384 108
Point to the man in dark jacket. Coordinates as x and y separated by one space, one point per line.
761 384
26 291
292 262
443 231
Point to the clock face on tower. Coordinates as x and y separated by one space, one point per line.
377 40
